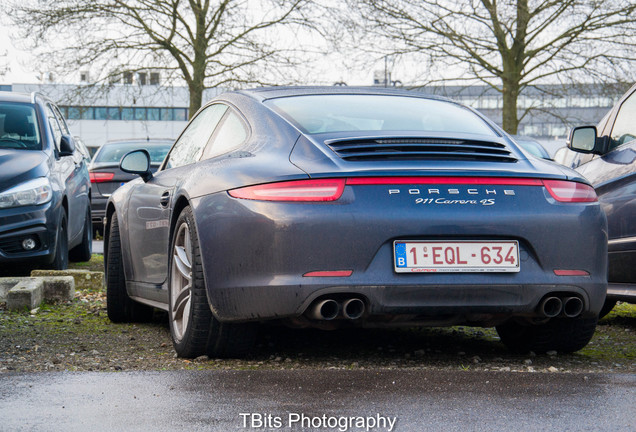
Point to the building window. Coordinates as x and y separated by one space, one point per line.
87 113
153 114
140 113
124 113
154 78
166 114
127 114
101 113
128 77
180 114
143 78
113 113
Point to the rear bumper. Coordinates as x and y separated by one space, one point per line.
456 298
98 210
256 253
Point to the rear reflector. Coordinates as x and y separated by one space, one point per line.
329 273
99 177
571 273
570 192
299 190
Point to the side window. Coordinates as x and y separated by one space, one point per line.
190 145
229 135
55 126
624 129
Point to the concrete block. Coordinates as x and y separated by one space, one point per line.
28 293
84 279
59 288
5 286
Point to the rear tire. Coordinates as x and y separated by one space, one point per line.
83 251
120 307
194 329
564 335
60 260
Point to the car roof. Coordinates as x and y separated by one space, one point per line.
265 93
6 96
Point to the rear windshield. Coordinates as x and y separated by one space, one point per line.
19 127
315 114
113 152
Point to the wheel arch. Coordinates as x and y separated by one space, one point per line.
180 203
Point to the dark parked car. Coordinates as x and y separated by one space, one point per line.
44 187
609 163
337 206
107 177
532 146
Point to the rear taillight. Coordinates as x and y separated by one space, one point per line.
331 189
570 192
99 177
299 191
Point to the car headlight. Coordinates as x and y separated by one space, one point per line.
33 192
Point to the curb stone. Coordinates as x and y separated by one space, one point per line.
84 279
21 293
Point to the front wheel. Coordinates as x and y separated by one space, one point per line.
194 329
564 335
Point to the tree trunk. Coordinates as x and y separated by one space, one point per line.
510 120
196 97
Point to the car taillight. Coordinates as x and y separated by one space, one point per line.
570 192
99 177
299 190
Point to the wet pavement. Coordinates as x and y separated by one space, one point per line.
314 400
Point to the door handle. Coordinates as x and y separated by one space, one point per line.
165 199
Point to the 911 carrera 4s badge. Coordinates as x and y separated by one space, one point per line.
485 196
456 256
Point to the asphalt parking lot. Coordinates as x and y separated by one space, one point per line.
318 400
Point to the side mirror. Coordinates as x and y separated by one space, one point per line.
137 162
583 139
67 146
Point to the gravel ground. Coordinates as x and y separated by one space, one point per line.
77 336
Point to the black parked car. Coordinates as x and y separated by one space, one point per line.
609 162
107 177
45 215
336 207
532 146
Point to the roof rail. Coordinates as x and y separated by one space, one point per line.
35 95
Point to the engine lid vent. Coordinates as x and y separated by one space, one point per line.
387 149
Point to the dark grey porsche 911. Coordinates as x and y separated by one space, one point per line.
330 207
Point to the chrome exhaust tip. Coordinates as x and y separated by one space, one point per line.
325 310
353 308
551 307
572 307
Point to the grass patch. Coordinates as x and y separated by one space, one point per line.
615 336
95 264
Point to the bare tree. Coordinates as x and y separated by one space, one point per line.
207 43
510 44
